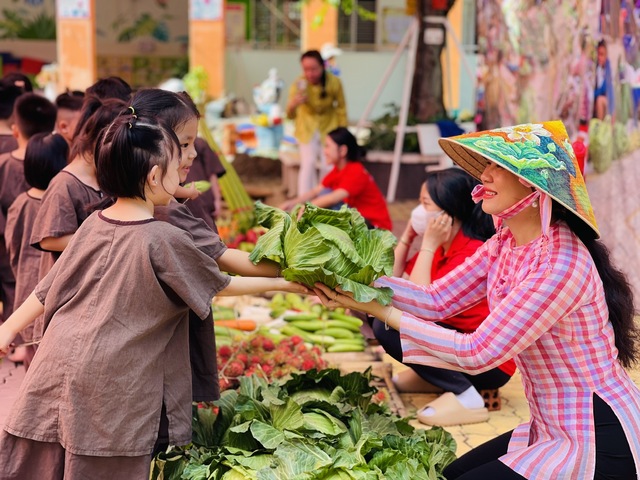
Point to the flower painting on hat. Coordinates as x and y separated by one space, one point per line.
539 153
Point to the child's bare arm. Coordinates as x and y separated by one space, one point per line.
55 244
23 316
189 192
254 285
237 261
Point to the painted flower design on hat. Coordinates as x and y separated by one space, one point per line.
522 154
539 153
531 132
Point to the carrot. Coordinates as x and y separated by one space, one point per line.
245 325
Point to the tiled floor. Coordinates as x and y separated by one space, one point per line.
615 198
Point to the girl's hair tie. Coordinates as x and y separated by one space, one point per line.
133 112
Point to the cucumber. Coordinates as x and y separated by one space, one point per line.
291 331
309 325
300 316
351 341
344 347
226 331
345 318
322 339
337 333
220 341
224 314
342 324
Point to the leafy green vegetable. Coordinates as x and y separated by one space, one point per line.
601 148
283 431
333 247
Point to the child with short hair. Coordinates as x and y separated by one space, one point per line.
117 301
69 106
46 155
32 114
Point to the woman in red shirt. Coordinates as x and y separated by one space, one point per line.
451 228
348 182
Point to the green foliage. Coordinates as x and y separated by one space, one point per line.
383 135
16 24
327 246
601 149
317 425
145 25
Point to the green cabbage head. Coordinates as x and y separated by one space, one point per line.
333 247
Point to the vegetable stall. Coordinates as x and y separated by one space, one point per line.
286 411
315 425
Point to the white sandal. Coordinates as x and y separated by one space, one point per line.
449 411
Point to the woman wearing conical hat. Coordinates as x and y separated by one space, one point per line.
544 275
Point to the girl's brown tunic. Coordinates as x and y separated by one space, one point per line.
66 203
202 343
24 259
12 184
205 165
116 342
8 143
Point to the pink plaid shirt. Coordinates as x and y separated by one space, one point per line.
551 316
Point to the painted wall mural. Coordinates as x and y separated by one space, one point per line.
574 60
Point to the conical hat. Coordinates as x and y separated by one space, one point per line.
539 153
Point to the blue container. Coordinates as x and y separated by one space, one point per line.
269 138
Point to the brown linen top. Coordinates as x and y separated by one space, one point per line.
65 205
205 165
24 259
181 216
202 344
116 342
12 183
8 143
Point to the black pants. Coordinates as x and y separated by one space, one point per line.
448 380
614 460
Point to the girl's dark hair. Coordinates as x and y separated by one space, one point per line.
110 87
96 114
20 80
128 149
315 54
617 290
450 189
175 109
342 136
46 155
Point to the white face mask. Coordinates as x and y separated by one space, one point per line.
420 218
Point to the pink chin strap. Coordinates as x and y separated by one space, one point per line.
545 206
545 214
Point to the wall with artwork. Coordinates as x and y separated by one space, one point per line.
569 59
